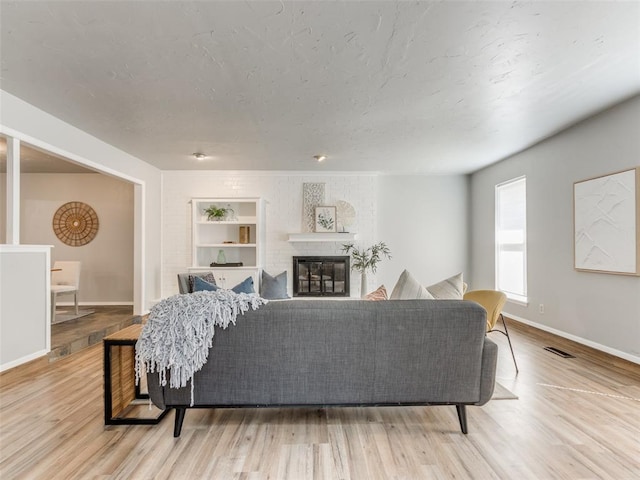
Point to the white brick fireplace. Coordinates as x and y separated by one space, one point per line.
282 192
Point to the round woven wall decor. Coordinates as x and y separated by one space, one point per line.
75 224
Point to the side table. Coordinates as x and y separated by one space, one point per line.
124 403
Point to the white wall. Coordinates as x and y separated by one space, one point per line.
24 312
107 261
3 207
424 220
24 121
597 309
283 195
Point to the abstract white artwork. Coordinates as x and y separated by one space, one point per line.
346 215
606 211
312 196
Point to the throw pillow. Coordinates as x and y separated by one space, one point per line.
274 288
201 285
408 288
207 277
378 294
451 288
246 286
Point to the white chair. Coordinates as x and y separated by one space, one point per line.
65 278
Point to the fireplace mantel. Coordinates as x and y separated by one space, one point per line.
322 237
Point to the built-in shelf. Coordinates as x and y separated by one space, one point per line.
227 245
238 221
322 237
212 239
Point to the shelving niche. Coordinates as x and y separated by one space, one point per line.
209 237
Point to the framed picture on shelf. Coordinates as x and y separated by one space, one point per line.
326 219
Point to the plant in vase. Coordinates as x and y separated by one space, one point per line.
365 259
217 213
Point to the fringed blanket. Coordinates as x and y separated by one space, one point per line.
179 333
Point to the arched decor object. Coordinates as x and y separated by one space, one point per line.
75 224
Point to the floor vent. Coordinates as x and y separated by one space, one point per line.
559 352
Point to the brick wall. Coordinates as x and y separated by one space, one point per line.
282 193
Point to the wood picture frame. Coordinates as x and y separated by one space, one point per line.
606 219
326 220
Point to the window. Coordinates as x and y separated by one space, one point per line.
511 238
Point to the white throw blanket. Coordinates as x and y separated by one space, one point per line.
179 332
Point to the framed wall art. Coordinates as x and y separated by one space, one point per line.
326 219
607 223
312 196
75 224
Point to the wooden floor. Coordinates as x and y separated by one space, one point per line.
74 335
575 419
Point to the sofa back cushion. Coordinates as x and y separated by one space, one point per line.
327 352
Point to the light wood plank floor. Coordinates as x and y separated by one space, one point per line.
74 335
574 419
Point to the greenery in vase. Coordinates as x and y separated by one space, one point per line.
368 258
325 222
216 213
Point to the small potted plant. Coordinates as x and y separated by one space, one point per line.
366 259
215 213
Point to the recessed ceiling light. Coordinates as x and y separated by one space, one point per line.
199 156
320 158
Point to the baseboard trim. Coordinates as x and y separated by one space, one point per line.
92 304
597 346
25 359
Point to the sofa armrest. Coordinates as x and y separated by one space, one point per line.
488 371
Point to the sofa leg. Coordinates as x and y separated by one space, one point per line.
462 417
177 427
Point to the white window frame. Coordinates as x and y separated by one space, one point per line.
517 297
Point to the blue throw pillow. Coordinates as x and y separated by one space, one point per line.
245 286
206 276
274 288
200 285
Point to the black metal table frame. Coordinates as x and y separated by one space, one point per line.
109 419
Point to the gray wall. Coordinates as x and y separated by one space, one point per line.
424 220
598 309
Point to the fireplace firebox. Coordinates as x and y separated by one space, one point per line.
321 276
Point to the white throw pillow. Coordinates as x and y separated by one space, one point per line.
451 288
408 288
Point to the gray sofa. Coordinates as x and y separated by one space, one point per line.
344 352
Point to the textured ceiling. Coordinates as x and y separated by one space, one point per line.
428 87
33 160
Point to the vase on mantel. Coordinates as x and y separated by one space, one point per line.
363 284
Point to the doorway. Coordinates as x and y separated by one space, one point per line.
47 179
